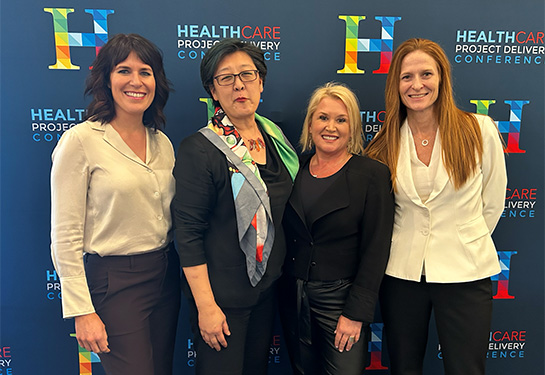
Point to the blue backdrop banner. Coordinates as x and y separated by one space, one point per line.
497 51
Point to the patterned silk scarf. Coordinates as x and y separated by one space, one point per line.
252 206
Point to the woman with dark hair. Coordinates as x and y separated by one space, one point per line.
233 179
338 225
449 178
111 238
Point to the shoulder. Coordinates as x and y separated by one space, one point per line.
489 129
198 146
483 120
159 134
305 158
195 141
367 167
161 138
80 139
86 128
485 123
81 134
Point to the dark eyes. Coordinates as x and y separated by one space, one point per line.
339 120
145 73
425 74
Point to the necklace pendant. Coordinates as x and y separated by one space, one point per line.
425 142
256 144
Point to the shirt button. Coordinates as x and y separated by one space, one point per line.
162 241
159 217
313 264
156 194
425 232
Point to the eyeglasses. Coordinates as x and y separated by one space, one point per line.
229 79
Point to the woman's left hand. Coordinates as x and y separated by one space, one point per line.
347 333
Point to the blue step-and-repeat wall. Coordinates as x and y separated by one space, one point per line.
496 48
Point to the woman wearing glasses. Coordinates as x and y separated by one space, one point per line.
233 179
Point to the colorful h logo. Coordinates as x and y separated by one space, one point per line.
375 347
64 39
511 127
86 360
503 277
354 45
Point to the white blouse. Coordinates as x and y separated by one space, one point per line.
424 175
105 200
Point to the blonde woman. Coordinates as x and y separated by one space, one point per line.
338 225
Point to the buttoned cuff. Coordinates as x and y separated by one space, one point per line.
76 298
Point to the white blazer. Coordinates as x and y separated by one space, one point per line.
452 230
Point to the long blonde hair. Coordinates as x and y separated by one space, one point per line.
459 130
339 91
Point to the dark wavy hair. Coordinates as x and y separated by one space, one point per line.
214 55
112 53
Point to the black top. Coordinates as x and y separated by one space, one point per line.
312 187
204 218
279 185
346 234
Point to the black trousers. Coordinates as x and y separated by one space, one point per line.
138 299
463 314
310 311
248 346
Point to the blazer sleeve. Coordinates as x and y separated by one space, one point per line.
377 226
494 173
194 200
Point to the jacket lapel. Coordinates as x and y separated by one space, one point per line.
404 175
334 198
441 176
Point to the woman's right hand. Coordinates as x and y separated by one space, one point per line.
213 326
91 333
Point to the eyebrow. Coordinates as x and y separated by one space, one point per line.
325 113
147 67
243 67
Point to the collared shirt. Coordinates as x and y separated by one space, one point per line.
105 200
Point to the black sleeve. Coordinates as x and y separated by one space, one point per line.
377 227
194 200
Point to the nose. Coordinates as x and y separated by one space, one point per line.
135 79
330 126
238 84
417 84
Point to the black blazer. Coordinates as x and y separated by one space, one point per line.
348 234
205 227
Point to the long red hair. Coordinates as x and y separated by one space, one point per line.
459 130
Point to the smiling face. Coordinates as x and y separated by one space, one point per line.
419 82
240 99
330 127
133 86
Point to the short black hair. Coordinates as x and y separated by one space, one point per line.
117 49
215 55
